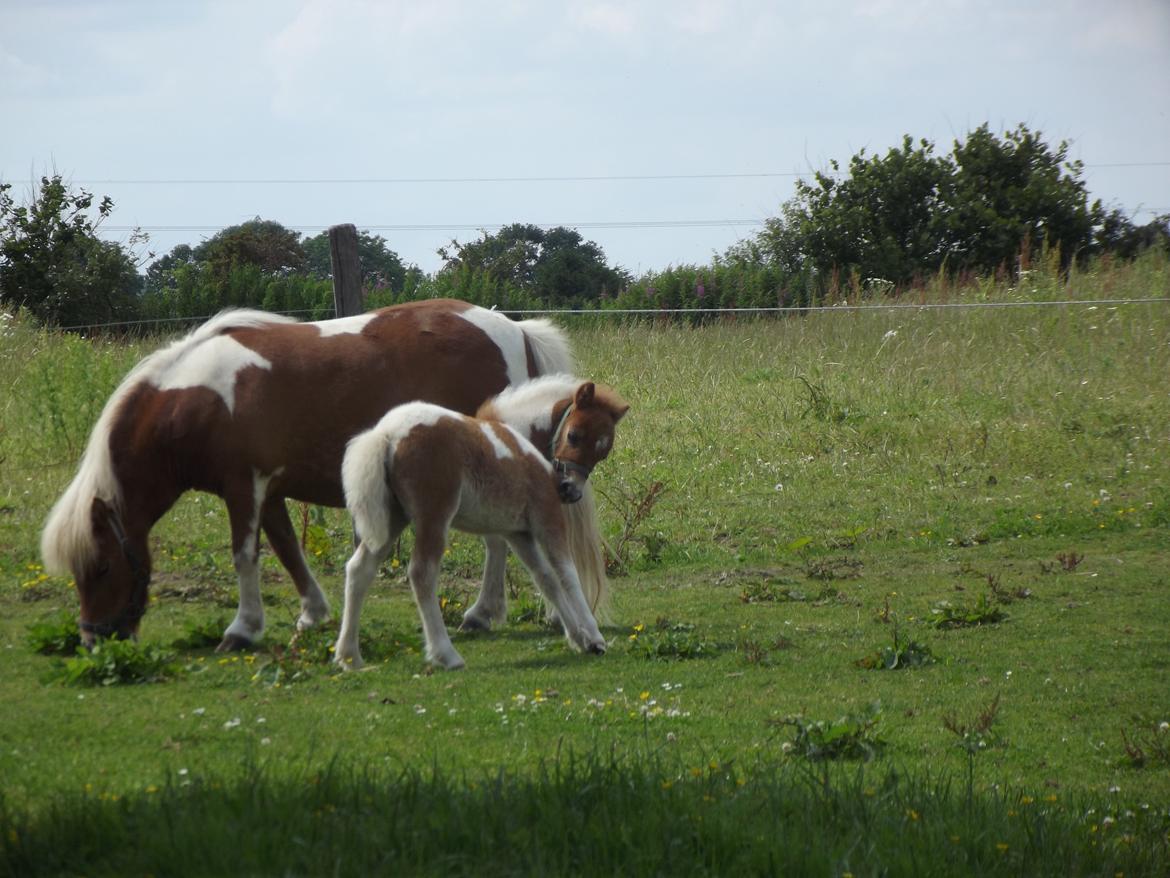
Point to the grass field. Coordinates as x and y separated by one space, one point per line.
979 498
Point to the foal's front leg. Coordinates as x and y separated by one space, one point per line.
556 577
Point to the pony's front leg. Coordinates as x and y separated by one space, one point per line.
491 607
424 578
244 515
360 571
284 542
556 577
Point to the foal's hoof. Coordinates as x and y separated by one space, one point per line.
596 648
233 643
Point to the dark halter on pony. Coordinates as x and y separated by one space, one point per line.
135 609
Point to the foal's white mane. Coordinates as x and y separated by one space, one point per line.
528 406
67 542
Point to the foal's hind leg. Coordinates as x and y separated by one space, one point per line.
429 542
360 571
284 542
492 604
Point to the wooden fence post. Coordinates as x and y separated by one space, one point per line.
347 270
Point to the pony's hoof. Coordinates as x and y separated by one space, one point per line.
596 648
234 643
472 623
350 664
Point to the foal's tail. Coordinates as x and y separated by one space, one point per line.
364 477
552 354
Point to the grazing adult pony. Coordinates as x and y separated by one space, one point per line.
257 408
438 469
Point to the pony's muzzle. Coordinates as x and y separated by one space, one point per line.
568 491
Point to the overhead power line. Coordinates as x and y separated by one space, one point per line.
551 178
462 227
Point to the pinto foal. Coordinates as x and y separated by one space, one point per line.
484 475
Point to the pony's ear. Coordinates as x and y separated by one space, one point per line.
619 411
100 513
584 397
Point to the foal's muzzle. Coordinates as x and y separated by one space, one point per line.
572 477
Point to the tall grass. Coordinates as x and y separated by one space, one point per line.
592 815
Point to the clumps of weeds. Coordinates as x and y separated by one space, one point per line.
1005 595
833 568
754 652
948 616
1066 562
310 651
902 654
453 604
58 635
974 736
853 736
635 506
201 635
1148 744
666 640
525 607
783 591
116 662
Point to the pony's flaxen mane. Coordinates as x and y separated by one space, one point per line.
67 542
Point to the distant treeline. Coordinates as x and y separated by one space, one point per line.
886 223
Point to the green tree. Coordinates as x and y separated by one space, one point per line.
265 244
382 269
53 263
557 266
1015 196
911 213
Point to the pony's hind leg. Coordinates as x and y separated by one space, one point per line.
557 579
429 542
491 606
284 542
360 571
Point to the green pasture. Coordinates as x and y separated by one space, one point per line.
936 540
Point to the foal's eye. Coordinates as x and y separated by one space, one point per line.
574 438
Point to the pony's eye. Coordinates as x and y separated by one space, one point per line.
102 570
574 438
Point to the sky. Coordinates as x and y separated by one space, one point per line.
663 131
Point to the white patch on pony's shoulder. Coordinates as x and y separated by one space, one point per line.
528 448
602 444
503 452
506 335
344 325
215 364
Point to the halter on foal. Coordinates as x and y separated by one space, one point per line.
439 469
255 408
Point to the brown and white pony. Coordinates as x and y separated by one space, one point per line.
257 408
438 469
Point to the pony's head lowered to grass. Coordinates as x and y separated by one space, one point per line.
573 421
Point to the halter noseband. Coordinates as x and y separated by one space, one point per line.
135 609
561 467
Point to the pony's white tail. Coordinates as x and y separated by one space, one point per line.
364 477
552 353
550 348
